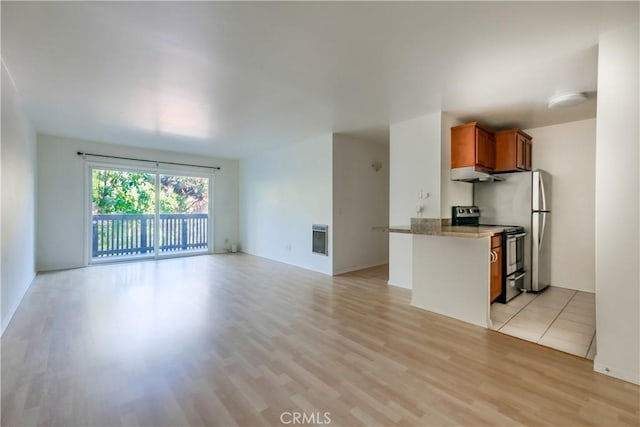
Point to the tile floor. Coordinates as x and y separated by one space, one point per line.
559 318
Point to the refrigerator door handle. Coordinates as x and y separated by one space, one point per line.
542 193
544 223
517 277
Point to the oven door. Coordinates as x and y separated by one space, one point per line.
515 253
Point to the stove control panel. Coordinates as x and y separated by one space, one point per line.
465 215
465 212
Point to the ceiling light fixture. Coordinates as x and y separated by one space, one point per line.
567 99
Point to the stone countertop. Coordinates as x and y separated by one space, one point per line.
430 227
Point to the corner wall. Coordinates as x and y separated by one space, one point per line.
415 170
360 202
618 205
568 152
282 193
62 229
18 149
453 193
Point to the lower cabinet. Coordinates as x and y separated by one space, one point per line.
496 268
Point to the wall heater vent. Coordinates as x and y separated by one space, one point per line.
320 239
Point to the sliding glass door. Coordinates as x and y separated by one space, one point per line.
136 213
123 213
184 214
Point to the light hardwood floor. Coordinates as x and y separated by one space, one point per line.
237 340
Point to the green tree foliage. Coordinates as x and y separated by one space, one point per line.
119 192
183 194
123 192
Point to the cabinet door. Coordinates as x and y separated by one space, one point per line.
508 153
496 273
485 149
463 146
527 155
521 152
491 152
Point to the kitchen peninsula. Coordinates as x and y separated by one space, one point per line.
451 268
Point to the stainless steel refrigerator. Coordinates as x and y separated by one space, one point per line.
522 198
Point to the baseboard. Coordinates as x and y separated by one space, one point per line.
397 285
304 267
12 311
14 308
589 291
612 371
357 267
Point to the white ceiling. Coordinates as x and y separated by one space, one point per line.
229 79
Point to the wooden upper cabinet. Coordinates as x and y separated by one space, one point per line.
485 149
513 151
527 155
472 145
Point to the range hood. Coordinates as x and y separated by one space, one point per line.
471 174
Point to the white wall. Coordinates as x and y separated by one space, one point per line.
452 193
401 260
618 205
568 152
415 166
18 148
441 286
62 201
415 147
282 193
360 202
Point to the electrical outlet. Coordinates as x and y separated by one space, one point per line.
422 195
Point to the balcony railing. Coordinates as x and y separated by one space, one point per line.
134 234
